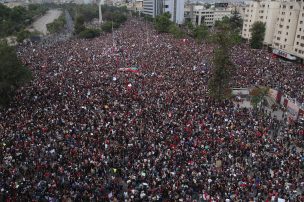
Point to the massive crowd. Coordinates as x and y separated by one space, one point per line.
84 131
266 70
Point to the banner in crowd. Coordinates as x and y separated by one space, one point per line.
294 111
276 95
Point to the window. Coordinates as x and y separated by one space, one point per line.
298 36
166 6
300 29
296 50
297 43
287 33
291 7
278 38
285 40
301 22
287 27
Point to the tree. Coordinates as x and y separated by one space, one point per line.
162 22
236 22
230 27
222 70
258 95
24 34
79 25
257 35
107 27
200 32
219 82
176 31
89 33
12 73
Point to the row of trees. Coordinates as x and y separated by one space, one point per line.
15 20
12 73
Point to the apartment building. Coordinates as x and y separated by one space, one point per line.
299 36
284 25
265 11
157 7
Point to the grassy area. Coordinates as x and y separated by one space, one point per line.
57 25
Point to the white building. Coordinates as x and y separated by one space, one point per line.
157 7
152 7
209 16
176 8
284 25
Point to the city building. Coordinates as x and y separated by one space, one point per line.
209 16
284 25
176 8
136 5
152 7
157 7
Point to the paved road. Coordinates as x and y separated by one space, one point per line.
50 16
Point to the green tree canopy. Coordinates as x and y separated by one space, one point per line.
12 73
257 35
79 24
162 22
236 22
89 33
222 66
200 32
14 20
176 31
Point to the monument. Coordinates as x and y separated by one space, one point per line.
100 12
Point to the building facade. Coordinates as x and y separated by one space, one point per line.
208 17
176 8
158 7
284 25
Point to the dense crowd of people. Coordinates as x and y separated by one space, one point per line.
268 70
83 130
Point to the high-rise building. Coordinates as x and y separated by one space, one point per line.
284 25
157 7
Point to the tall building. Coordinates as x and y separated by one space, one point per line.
152 7
176 8
284 25
157 7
